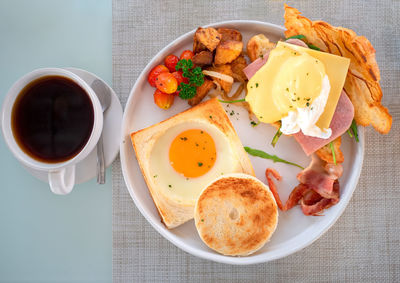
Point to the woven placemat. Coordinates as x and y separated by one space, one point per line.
362 246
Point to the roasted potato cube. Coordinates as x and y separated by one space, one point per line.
209 37
197 45
203 58
201 92
238 65
258 45
228 51
229 34
325 152
223 69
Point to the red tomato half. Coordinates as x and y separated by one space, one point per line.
151 78
170 62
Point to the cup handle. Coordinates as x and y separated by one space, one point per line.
62 181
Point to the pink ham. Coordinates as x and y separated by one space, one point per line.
252 68
341 120
298 42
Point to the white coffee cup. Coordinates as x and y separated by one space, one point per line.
61 175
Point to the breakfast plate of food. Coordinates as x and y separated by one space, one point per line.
248 146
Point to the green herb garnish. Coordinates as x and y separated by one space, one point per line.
299 36
195 76
333 152
199 164
253 124
312 46
274 158
350 134
276 137
231 101
353 128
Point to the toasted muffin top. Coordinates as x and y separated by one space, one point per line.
236 215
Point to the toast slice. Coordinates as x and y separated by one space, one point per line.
173 210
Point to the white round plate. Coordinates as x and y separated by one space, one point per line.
86 169
295 230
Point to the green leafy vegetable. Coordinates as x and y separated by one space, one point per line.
333 152
195 77
276 137
312 46
274 158
350 134
231 101
353 128
299 36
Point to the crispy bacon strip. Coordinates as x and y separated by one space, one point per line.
311 204
295 196
269 173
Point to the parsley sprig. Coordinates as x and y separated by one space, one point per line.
194 75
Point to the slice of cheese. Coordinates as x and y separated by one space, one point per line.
336 68
260 86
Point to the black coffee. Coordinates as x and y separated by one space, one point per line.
52 119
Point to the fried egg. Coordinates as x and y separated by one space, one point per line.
187 157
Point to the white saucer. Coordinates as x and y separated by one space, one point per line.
86 169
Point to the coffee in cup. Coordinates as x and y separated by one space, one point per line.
51 120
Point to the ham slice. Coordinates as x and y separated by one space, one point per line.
298 42
252 68
341 120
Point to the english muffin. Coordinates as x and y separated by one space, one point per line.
236 214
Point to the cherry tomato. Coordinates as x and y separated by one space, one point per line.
187 54
166 82
163 100
180 79
154 73
170 62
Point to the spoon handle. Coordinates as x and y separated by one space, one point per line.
101 177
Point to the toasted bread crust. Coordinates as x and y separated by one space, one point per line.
173 213
362 82
236 215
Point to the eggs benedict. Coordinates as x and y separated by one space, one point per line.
299 87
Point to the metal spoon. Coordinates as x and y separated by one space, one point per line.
104 95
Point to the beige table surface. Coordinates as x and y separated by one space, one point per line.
364 243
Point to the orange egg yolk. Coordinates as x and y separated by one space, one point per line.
192 153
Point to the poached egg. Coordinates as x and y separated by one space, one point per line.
297 87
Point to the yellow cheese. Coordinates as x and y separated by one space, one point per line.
270 90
